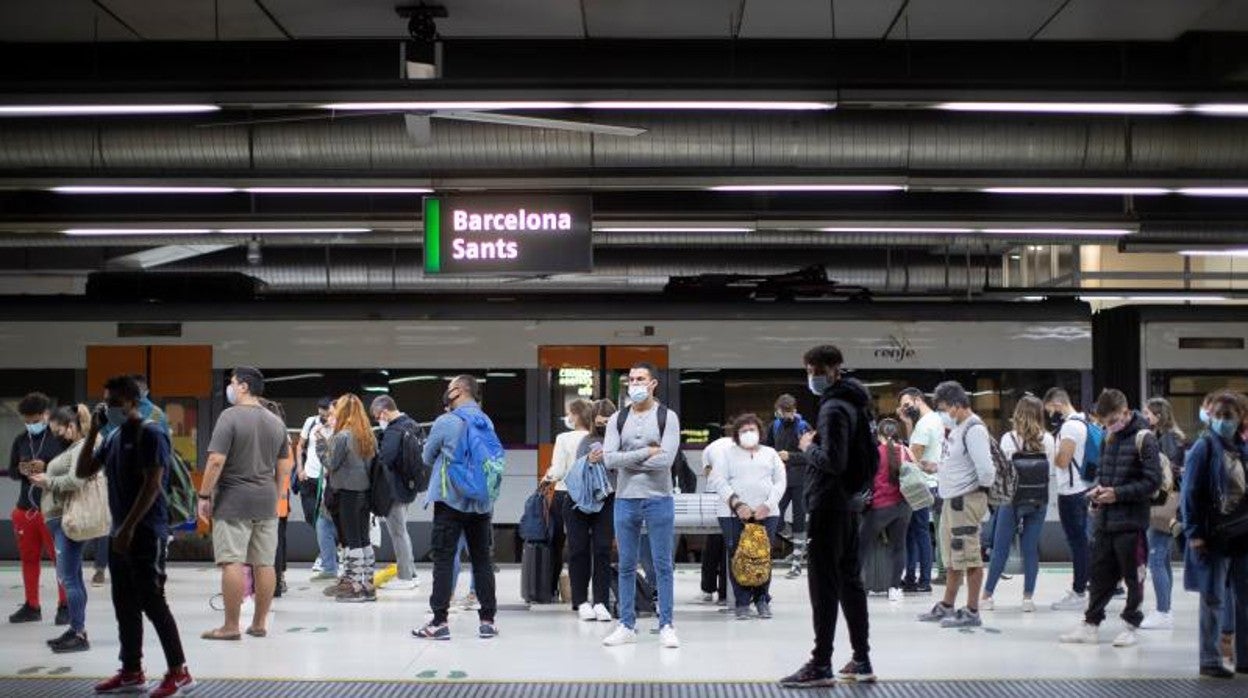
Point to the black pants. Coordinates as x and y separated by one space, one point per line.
279 564
448 525
1117 556
714 574
834 579
307 500
353 515
795 495
589 551
558 537
138 590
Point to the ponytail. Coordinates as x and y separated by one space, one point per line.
77 416
84 419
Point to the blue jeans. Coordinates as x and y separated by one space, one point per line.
327 541
1073 511
919 548
1160 550
69 572
659 515
1214 606
732 527
102 545
1008 520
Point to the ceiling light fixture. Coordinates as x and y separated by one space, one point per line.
1064 107
712 105
639 104
899 229
136 231
1071 232
517 105
1214 191
1215 253
1090 191
338 190
92 189
807 187
1156 299
1221 109
104 109
309 231
673 229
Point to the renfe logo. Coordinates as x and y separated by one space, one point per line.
537 234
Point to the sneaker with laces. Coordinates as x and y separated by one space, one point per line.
322 576
1029 606
123 682
1158 620
858 672
964 618
742 612
705 598
1071 602
61 638
622 635
1085 634
343 586
810 676
317 566
487 630
896 595
470 602
433 632
602 614
987 604
667 637
1217 672
794 573
938 613
97 579
585 612
174 684
26 614
401 584
764 609
1127 638
76 642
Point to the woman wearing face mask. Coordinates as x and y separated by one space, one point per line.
69 424
1214 504
750 478
591 535
577 419
1172 440
888 511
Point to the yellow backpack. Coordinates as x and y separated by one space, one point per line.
751 562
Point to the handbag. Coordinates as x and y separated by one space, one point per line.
914 487
86 514
751 561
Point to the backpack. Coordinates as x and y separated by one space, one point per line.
751 561
181 496
476 470
535 521
380 491
1092 446
1005 480
683 477
1031 473
411 476
1166 491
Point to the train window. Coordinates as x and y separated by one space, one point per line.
418 392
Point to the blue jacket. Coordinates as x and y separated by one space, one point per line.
587 485
1204 484
444 437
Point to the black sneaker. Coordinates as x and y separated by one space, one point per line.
922 589
27 614
62 615
909 587
1217 672
860 672
61 638
810 676
76 642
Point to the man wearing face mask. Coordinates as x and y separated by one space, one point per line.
1128 476
1072 499
783 435
840 466
927 439
310 456
640 445
394 426
33 448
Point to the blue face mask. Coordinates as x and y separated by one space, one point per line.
948 420
1204 416
817 383
231 396
116 416
1224 428
638 393
36 429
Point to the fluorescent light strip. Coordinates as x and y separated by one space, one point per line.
136 231
338 190
1221 109
1064 107
696 105
1159 299
1072 232
447 106
92 189
309 231
673 229
1214 253
907 229
1214 191
1093 191
808 187
104 109
411 379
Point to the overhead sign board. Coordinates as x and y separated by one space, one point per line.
515 234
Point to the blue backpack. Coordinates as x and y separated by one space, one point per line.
535 521
1090 466
476 471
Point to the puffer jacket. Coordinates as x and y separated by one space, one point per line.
1135 477
829 458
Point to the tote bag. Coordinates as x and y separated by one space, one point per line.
86 513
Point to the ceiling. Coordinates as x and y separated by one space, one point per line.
1006 20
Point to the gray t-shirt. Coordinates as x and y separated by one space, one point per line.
252 439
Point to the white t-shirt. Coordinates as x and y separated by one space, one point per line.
1010 443
714 455
1068 482
312 430
563 456
929 432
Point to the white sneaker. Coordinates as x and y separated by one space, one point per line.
1085 634
585 611
1071 602
620 636
705 598
316 566
1127 638
1029 606
895 595
1158 620
602 614
401 584
667 636
987 604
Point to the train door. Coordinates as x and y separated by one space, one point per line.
582 371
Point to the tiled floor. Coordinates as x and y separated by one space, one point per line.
312 637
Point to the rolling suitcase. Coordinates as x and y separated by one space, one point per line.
646 595
877 568
536 568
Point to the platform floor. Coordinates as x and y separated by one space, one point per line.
312 638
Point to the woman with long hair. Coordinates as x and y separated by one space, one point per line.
1029 435
888 512
351 449
1173 442
590 535
577 420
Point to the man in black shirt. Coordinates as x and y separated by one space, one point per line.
32 450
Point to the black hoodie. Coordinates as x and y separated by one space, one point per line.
1135 475
828 459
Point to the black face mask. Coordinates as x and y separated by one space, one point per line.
912 413
1055 421
447 399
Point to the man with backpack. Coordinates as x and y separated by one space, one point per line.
400 458
1078 450
464 456
782 435
641 443
967 471
839 471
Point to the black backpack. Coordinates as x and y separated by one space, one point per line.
1031 470
683 476
380 491
411 475
863 458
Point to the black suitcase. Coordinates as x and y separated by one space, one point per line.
646 595
536 568
877 567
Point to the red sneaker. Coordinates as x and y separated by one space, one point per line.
174 685
124 682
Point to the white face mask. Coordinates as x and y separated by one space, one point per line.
569 422
948 420
383 424
748 439
638 393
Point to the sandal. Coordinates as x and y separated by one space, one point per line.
257 632
217 634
